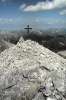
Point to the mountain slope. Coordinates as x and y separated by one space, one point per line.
29 71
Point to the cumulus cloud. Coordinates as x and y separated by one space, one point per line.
45 5
63 12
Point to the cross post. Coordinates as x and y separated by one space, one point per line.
28 29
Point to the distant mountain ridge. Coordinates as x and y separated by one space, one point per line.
5 45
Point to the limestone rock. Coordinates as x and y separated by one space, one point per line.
62 53
21 40
51 98
28 69
39 96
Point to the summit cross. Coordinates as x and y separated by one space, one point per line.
28 29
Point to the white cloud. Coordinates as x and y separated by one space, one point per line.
63 12
45 5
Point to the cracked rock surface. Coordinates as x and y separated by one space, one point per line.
29 71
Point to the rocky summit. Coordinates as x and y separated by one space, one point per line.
29 71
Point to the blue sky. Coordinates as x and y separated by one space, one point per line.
39 14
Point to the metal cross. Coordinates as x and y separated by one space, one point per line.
28 29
